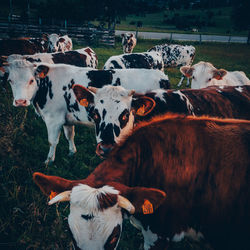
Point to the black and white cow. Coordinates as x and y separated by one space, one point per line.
128 42
58 43
116 112
145 60
204 74
175 55
49 88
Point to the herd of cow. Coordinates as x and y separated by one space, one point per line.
176 162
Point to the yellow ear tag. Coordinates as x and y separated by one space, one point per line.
84 102
147 207
41 75
52 195
141 110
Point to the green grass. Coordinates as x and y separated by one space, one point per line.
154 22
26 221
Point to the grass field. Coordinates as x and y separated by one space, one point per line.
154 22
26 221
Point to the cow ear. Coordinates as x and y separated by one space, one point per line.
52 185
218 74
83 95
61 40
2 69
45 37
146 200
41 71
122 35
187 71
131 35
142 105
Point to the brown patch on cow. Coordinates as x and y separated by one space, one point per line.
89 51
106 200
113 238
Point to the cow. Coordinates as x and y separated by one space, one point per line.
175 55
178 174
48 87
204 74
25 46
145 60
113 108
59 43
128 42
84 57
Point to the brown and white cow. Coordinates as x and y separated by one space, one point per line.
128 42
23 46
176 173
58 43
116 112
204 74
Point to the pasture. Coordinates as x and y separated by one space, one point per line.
26 221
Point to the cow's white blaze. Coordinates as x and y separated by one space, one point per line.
53 42
190 233
22 81
92 231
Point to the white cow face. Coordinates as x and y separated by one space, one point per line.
203 74
23 79
113 109
95 218
53 40
128 42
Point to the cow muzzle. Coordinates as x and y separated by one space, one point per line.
103 150
21 103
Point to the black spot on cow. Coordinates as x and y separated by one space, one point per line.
44 87
101 101
64 88
117 82
164 84
70 57
116 65
187 51
70 85
71 107
99 78
107 134
113 238
117 101
87 216
124 114
32 60
104 112
117 130
138 61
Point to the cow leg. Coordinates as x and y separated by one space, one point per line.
54 131
180 82
69 132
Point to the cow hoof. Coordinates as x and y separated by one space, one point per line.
71 153
48 162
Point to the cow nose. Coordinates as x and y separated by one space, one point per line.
21 102
103 150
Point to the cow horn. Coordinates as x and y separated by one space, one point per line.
131 92
126 204
64 196
93 89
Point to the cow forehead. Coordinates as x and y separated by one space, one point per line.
20 70
110 97
203 67
89 199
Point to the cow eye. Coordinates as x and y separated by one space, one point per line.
31 81
209 79
125 117
193 77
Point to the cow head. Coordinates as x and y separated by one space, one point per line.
96 214
128 42
53 41
24 80
113 109
202 74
